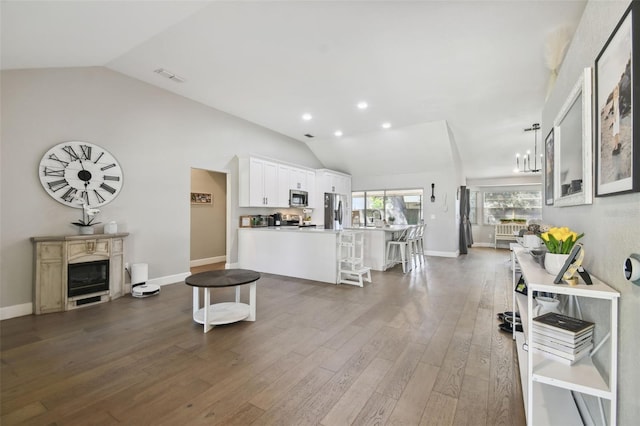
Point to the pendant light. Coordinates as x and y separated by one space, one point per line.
524 163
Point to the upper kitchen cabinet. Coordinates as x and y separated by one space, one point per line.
331 181
258 183
311 187
291 177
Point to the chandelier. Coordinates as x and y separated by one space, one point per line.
524 163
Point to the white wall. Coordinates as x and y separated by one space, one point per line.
156 136
611 224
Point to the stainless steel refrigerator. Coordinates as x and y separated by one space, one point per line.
336 211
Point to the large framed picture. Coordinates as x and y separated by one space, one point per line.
572 146
548 169
617 127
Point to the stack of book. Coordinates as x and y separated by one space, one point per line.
562 338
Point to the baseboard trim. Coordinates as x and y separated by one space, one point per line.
16 311
169 279
13 311
443 253
482 245
207 261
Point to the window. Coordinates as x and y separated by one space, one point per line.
403 205
512 205
473 207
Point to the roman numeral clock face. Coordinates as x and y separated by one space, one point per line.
80 170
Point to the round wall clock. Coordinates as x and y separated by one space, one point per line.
74 170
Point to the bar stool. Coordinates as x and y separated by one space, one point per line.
419 242
397 250
412 244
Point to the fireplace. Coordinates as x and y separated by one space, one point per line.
88 278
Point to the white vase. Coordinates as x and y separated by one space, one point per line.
553 262
86 230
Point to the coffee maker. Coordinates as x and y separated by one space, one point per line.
275 219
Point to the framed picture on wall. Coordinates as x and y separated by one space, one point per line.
617 126
201 198
548 169
572 146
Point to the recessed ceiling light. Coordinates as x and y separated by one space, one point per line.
307 116
386 125
338 133
363 105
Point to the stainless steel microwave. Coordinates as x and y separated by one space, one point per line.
298 198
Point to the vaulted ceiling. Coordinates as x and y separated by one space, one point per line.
481 66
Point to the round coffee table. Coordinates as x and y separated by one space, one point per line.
226 312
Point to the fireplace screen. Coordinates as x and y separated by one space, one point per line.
88 277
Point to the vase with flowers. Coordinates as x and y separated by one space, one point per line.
559 242
88 218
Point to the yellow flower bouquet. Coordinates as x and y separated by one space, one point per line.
560 240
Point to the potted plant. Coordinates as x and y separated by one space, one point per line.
559 242
88 218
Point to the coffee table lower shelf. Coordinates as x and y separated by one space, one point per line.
223 313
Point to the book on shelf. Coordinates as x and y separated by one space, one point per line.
560 345
562 323
560 352
559 356
566 338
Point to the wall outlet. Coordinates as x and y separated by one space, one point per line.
490 236
126 266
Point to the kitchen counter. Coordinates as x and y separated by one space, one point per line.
308 253
293 229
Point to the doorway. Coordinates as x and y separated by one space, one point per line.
208 241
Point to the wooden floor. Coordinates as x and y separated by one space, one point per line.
420 348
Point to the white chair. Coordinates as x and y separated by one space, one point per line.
397 250
418 242
350 259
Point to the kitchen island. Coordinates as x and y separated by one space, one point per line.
375 244
308 253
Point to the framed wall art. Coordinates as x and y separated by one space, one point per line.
201 198
572 140
548 169
617 128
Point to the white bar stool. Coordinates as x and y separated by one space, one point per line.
419 242
397 251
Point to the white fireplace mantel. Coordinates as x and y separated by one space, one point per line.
52 256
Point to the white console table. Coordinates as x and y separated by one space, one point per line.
547 384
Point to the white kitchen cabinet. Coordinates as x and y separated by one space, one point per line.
298 179
284 177
266 183
290 177
546 383
330 181
258 183
311 187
